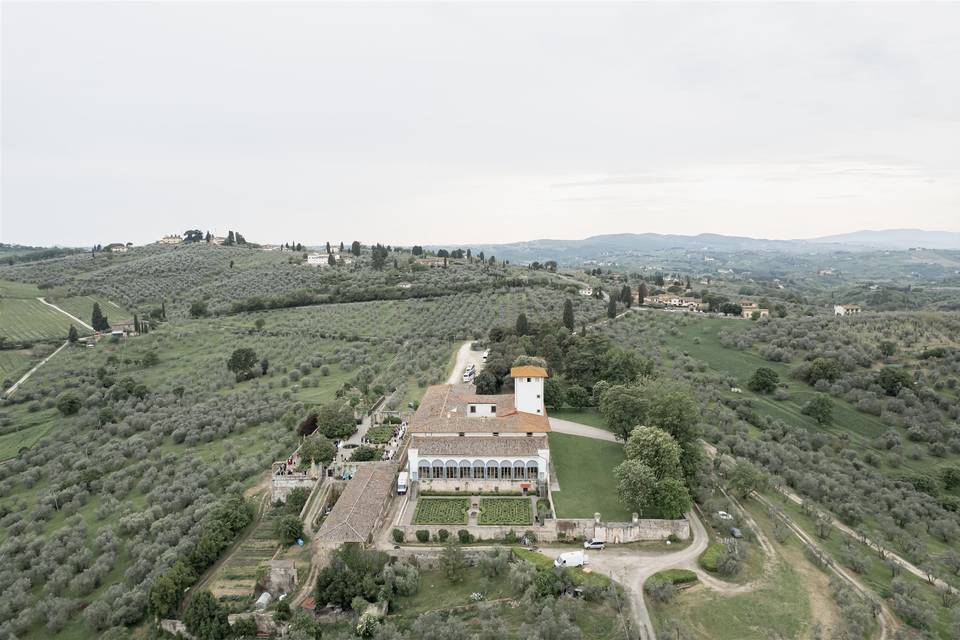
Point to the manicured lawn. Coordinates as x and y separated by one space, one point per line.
381 434
441 511
505 511
588 416
584 469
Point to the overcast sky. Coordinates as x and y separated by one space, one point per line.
494 122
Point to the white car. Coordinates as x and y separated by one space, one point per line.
594 544
723 515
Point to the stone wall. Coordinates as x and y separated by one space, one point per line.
641 530
638 530
281 486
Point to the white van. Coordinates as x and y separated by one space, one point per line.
571 559
485 355
402 483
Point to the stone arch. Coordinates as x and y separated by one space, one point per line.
533 469
436 469
518 470
506 469
465 469
479 469
423 469
451 468
493 469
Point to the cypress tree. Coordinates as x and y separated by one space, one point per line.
626 296
72 334
568 314
612 308
97 321
522 326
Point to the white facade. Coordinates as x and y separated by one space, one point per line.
533 468
528 392
318 260
845 309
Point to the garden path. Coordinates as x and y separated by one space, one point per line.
577 429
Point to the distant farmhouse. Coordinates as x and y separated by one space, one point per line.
116 247
322 260
749 307
846 309
462 441
174 239
673 300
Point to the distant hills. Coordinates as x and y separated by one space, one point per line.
896 239
609 245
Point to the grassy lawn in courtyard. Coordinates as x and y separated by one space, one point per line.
441 511
589 416
506 511
584 469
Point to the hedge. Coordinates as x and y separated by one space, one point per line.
709 558
674 576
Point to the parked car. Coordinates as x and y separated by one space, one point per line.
593 543
736 533
723 515
571 559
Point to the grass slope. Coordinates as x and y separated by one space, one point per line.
584 469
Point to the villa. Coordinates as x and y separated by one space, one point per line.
846 309
463 441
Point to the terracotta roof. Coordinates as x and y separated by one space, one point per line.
445 408
528 371
354 516
478 445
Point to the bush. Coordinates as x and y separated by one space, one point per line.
68 404
423 535
288 529
398 535
708 560
364 453
442 535
464 536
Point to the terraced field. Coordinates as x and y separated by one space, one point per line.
236 578
14 364
82 307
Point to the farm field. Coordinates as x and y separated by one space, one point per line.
506 511
82 307
441 511
29 320
23 430
584 470
236 578
14 363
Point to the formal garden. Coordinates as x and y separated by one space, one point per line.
441 511
501 511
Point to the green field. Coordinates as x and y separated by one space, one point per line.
14 364
780 608
24 430
28 320
82 307
584 469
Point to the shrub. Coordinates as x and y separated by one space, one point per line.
68 404
464 536
398 535
708 560
442 535
423 535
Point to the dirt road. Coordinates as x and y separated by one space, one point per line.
465 357
26 376
69 315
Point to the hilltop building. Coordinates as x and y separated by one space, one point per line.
174 239
464 441
846 309
116 247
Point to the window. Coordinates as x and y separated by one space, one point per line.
529 434
461 434
473 408
538 396
528 379
493 408
496 434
